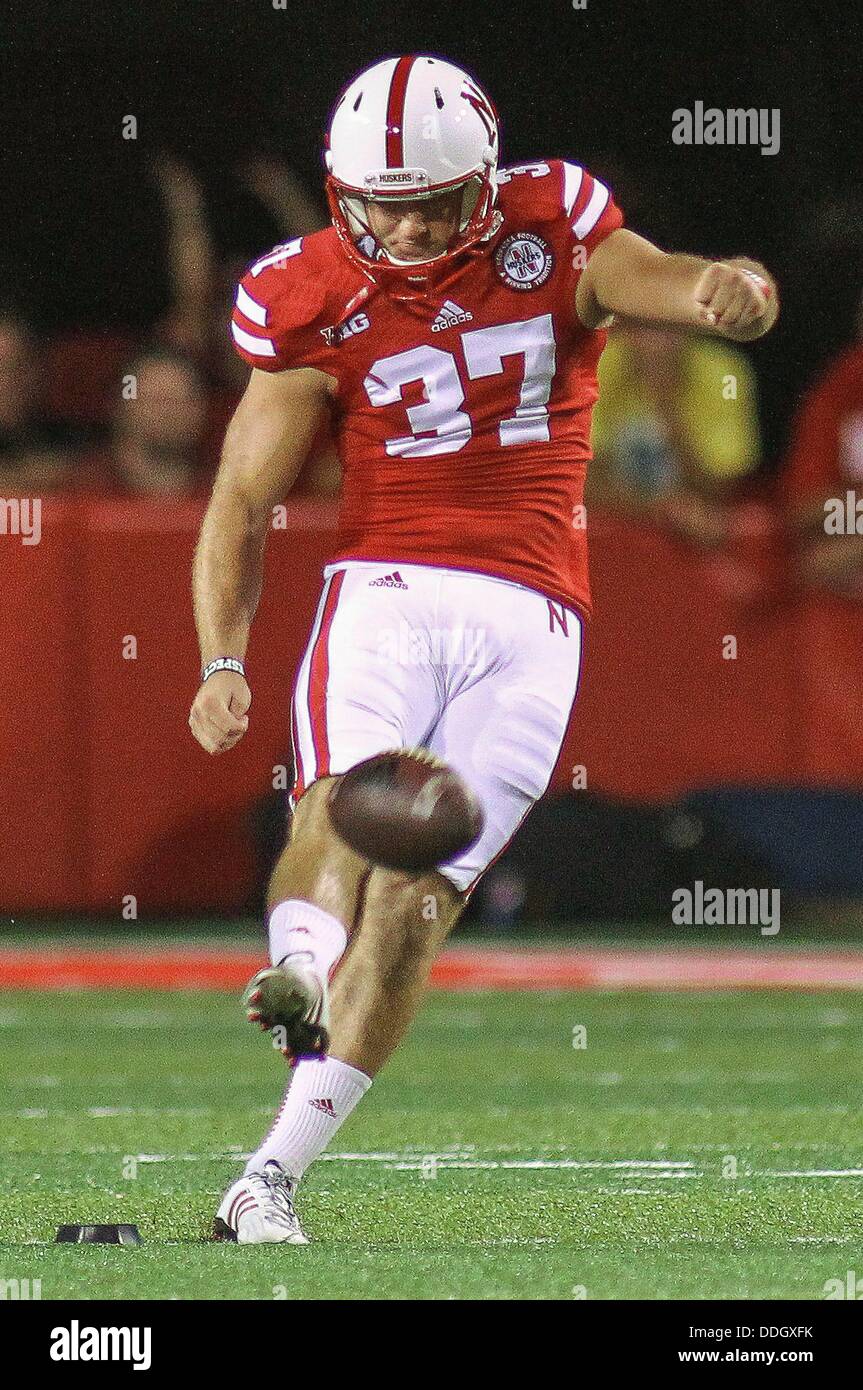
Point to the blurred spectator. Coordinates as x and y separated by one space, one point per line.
165 430
819 306
674 430
191 259
33 455
826 462
203 288
202 284
158 431
270 181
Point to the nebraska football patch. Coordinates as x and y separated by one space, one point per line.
524 261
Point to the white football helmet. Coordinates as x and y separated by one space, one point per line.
411 128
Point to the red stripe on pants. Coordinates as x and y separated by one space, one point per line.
299 781
319 670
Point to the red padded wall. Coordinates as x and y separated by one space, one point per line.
105 793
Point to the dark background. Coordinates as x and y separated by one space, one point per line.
83 234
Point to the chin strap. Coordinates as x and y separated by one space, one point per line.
413 291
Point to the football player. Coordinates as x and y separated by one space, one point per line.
448 326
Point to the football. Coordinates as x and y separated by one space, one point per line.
405 810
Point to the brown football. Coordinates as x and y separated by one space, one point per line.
405 810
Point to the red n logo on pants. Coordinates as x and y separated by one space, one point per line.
557 615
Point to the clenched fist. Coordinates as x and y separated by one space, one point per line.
738 303
219 714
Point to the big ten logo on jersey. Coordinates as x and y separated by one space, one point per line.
358 323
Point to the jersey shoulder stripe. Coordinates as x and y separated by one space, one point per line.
573 175
549 190
250 307
592 214
251 343
283 296
593 209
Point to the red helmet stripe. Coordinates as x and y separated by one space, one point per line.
396 112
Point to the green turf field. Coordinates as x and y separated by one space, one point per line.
454 1179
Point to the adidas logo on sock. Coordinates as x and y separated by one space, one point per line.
388 581
449 316
325 1105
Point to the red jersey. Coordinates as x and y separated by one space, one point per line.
462 412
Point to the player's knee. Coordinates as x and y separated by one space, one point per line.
315 863
311 819
422 903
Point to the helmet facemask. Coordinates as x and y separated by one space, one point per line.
349 208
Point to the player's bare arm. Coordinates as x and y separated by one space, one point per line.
628 276
265 446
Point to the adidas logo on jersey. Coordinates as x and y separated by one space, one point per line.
449 316
388 581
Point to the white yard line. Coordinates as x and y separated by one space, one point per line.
535 1163
113 1112
416 1161
812 1173
820 1240
627 1165
464 1158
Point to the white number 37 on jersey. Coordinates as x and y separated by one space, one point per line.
438 424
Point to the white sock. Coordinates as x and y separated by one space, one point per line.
321 1094
300 928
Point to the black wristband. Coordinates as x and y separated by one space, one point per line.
223 663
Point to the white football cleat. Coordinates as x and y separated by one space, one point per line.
292 998
258 1209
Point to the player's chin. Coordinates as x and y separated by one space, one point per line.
412 253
